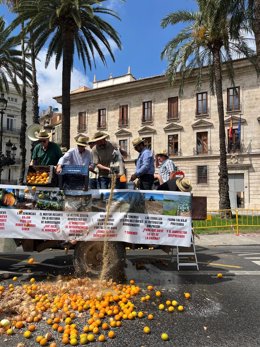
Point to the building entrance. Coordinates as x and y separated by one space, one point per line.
236 190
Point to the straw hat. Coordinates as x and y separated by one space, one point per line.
137 141
81 140
163 152
100 135
42 135
184 184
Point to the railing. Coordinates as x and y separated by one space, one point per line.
147 119
102 125
123 124
235 220
14 131
172 117
230 109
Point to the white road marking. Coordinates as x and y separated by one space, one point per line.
256 262
256 258
244 254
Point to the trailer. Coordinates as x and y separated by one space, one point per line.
40 216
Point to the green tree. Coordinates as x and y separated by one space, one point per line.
67 26
244 16
11 60
199 50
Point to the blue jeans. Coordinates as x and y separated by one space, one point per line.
104 182
93 183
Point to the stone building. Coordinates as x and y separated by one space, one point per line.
11 133
186 125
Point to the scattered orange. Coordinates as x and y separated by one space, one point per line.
111 334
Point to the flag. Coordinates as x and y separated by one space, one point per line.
230 130
239 129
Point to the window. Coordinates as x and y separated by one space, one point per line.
123 144
172 108
123 115
147 111
202 143
233 99
10 123
148 142
202 103
82 122
234 143
173 144
101 118
202 174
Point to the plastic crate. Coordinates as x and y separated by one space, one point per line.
75 170
37 171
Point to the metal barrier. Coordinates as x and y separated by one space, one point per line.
234 219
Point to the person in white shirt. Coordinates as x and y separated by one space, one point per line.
77 156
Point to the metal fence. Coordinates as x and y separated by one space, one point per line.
236 220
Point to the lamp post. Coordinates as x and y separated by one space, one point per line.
9 158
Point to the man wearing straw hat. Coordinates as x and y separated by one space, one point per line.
144 165
45 152
77 156
166 166
104 154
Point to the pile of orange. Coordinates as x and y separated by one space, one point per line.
104 305
37 177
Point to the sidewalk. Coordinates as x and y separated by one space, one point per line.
227 239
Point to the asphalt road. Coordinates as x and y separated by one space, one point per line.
221 312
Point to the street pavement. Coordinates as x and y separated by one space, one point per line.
222 312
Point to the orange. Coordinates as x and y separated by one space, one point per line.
31 327
101 338
147 330
43 342
111 334
187 295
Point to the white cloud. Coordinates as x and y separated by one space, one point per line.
50 81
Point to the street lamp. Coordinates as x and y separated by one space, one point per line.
9 158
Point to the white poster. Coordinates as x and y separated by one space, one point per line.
134 216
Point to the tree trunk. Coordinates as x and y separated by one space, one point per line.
256 29
224 201
23 115
35 89
67 37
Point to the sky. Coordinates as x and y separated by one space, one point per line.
142 40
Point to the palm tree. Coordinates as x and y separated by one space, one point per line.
68 26
244 15
202 47
11 60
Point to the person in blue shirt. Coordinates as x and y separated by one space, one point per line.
144 165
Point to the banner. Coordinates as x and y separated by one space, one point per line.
136 216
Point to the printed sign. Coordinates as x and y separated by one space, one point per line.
135 216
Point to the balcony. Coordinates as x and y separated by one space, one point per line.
13 131
147 120
82 129
201 114
199 152
234 109
172 117
123 124
102 125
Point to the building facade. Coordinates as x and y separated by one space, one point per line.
187 126
11 133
